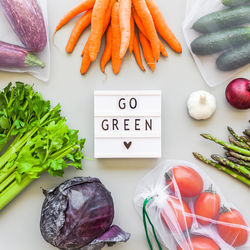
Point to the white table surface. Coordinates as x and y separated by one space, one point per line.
176 76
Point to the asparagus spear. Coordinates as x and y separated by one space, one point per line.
232 165
240 162
222 168
239 156
245 139
238 143
247 132
231 131
227 145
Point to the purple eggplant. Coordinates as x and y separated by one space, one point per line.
26 19
13 56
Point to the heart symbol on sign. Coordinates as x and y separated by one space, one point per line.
127 144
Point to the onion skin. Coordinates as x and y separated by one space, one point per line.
13 56
238 93
26 19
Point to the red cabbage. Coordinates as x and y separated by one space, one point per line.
78 214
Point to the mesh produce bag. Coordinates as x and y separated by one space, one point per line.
8 35
224 49
183 208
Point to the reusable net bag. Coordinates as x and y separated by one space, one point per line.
184 209
217 33
8 35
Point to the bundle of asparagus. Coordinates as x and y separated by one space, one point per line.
237 156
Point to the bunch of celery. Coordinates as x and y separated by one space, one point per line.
34 138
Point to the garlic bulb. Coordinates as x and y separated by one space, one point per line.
201 105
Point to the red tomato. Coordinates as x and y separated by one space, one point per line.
187 179
232 235
207 205
184 221
199 243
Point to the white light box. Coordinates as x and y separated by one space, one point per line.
127 124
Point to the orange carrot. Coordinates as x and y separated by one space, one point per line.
106 56
142 29
85 62
147 51
162 49
137 53
116 38
132 34
85 5
106 21
79 27
97 24
108 15
148 23
162 27
124 20
138 22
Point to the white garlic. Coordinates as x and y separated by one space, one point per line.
201 105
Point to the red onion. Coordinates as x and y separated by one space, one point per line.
238 93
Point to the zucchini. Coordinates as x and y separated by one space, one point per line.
234 58
223 19
221 40
233 3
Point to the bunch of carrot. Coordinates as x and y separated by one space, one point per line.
118 20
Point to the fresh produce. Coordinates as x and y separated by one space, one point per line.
34 139
207 205
79 27
223 19
199 243
181 222
13 56
162 27
26 19
189 182
222 168
234 58
201 105
137 52
238 149
106 56
233 3
116 39
78 214
234 236
121 17
177 206
221 40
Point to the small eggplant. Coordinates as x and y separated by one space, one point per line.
26 19
13 56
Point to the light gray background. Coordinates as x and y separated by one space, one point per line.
176 76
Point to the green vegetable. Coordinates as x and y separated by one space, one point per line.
233 3
34 139
222 168
237 161
238 143
221 40
227 163
237 137
234 58
223 19
227 145
239 156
